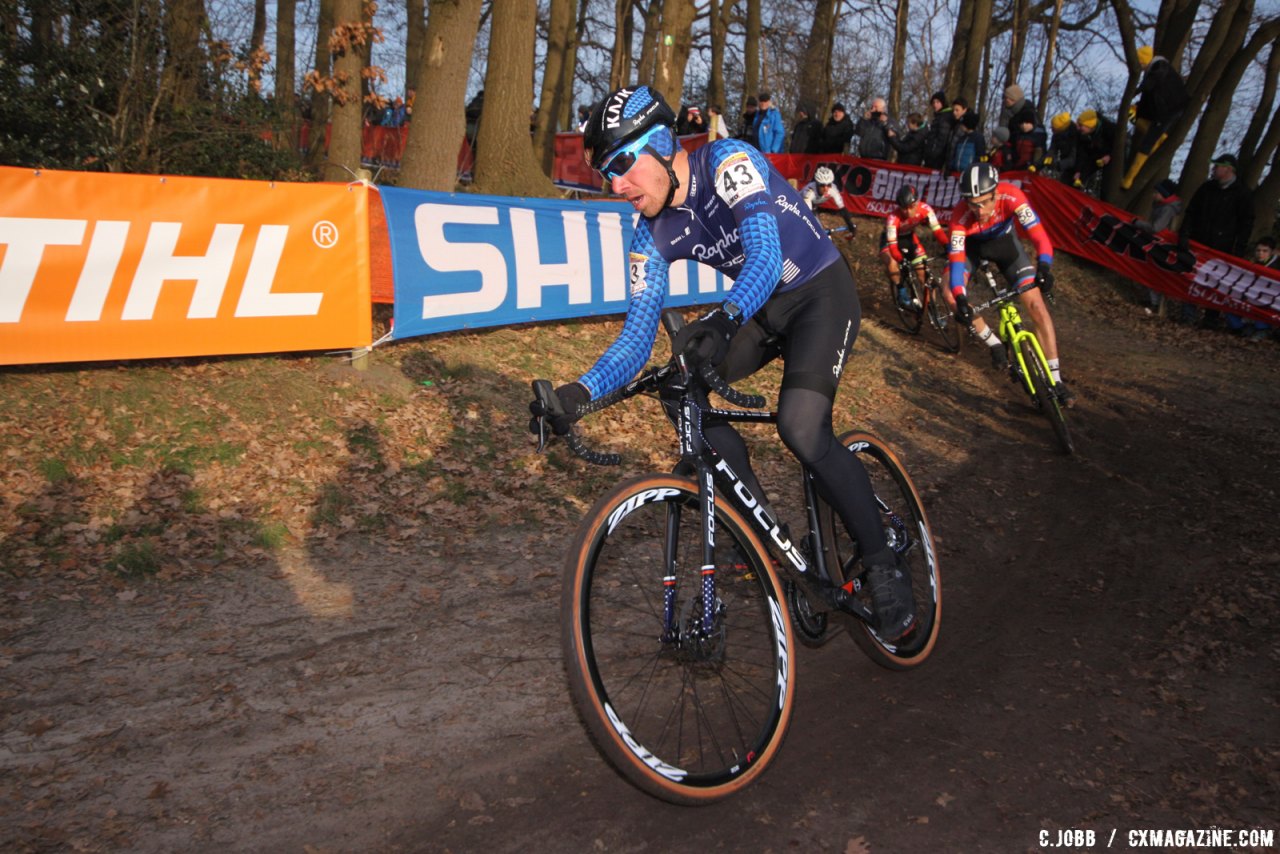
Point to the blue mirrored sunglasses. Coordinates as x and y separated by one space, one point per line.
625 158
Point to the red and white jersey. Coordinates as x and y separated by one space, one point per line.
1011 206
919 214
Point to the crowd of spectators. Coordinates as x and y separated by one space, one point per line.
1078 151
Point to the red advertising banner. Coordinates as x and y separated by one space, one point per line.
96 266
1106 235
1077 223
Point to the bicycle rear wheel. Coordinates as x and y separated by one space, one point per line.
907 530
948 327
911 316
686 714
1046 398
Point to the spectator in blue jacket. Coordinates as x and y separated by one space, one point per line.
770 133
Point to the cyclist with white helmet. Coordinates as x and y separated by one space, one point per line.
793 296
983 228
822 191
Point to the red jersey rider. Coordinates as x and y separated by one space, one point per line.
898 241
822 191
983 228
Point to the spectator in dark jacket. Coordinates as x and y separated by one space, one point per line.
837 132
910 145
1220 215
806 133
1061 157
873 132
1016 109
968 147
939 132
1093 151
1026 145
1162 99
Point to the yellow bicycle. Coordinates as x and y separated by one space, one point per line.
1027 363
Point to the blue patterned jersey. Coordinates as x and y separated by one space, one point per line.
740 217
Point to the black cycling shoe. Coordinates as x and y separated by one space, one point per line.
891 600
1065 395
999 358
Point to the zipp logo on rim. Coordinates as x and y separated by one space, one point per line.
637 500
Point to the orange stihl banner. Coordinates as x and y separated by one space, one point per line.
96 266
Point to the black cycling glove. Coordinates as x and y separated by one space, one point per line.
706 340
1044 277
964 311
570 396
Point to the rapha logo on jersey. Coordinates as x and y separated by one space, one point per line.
718 250
613 110
737 178
638 281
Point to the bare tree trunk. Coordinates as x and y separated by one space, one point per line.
345 138
1111 191
1251 151
1266 197
415 41
320 96
568 120
900 30
649 43
751 53
505 164
721 13
552 96
1220 103
257 44
1046 76
620 60
1173 28
184 60
964 68
286 35
815 81
677 27
1018 26
439 123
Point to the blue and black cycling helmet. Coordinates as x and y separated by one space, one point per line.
624 116
627 123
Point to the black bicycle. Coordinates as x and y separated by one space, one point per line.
676 589
925 300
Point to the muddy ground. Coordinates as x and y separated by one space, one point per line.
1108 658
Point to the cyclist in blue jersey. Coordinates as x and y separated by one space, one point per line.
793 296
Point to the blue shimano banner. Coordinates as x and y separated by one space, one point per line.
464 261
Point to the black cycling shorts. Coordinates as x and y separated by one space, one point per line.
908 245
1008 256
812 328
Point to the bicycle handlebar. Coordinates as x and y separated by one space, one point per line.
649 380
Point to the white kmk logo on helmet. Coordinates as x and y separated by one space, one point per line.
613 110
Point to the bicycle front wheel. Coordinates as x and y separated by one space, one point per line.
685 679
911 316
1046 398
948 327
907 531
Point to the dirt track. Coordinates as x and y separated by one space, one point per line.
1108 657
